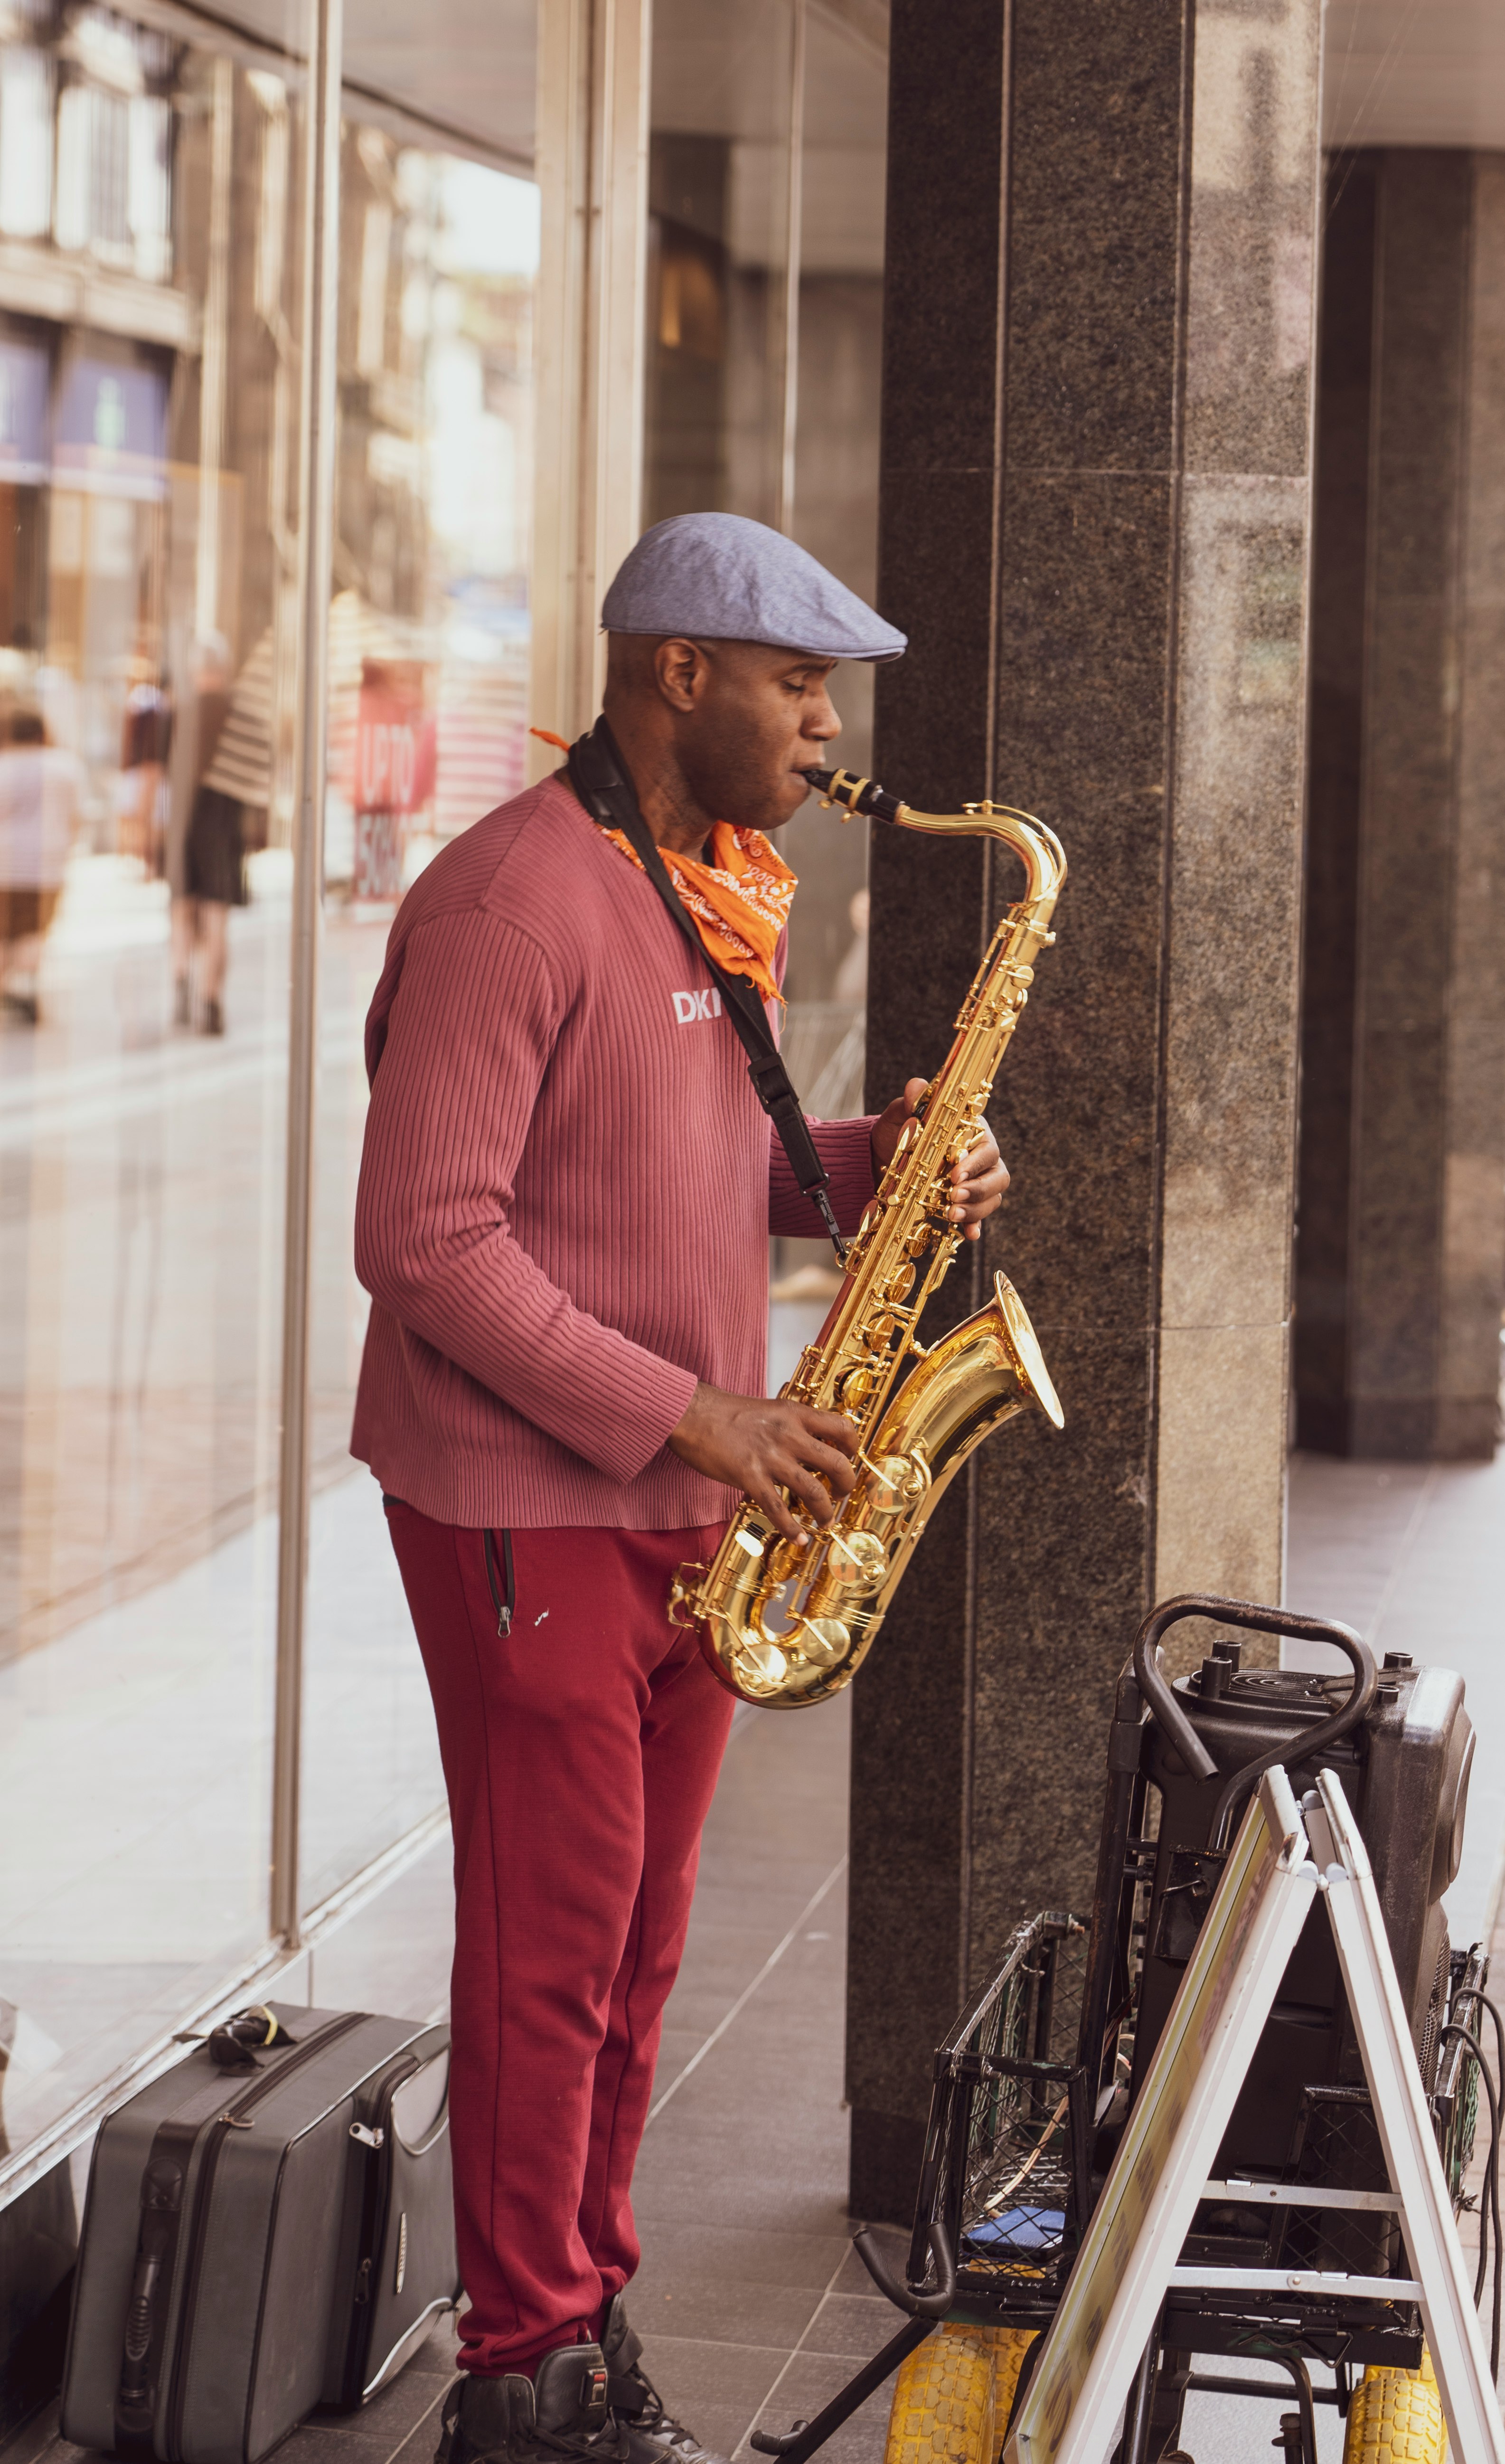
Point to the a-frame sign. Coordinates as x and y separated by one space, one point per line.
1285 1856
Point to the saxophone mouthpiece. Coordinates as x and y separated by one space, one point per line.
856 795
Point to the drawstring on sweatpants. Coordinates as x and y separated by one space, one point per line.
503 1601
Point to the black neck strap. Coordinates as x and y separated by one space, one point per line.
603 783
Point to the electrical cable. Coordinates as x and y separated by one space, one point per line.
1455 2028
1477 1993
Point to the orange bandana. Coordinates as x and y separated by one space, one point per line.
739 905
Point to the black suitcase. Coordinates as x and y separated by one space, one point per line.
268 2228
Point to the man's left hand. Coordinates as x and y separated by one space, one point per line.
978 1179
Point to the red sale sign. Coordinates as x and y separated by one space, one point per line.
395 760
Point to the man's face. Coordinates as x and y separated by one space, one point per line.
749 725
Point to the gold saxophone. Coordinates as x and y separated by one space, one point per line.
790 1622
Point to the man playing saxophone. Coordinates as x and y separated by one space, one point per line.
564 1205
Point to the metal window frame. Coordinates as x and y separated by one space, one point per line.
593 93
594 65
317 417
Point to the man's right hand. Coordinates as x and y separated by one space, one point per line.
764 1447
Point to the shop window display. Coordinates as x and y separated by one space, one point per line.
428 658
151 314
767 163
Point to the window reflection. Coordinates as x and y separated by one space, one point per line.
148 298
428 655
726 115
718 257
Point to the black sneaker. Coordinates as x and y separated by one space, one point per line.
560 2412
655 2437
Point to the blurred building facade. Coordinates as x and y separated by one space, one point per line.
1014 330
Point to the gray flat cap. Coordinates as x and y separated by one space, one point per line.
725 578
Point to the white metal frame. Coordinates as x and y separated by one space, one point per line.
1454 2334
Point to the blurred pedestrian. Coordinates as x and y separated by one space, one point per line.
145 743
38 813
213 856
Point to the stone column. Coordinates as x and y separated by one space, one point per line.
1094 521
1401 1256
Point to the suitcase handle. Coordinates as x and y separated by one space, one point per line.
156 2246
138 2323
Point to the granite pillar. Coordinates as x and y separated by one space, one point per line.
1094 516
1401 1252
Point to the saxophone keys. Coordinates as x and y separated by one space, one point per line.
685 1596
821 1641
896 1481
858 1388
857 1561
759 1668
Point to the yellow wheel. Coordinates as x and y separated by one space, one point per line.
1396 2417
1009 2345
944 2409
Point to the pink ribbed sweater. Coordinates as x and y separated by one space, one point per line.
566 1190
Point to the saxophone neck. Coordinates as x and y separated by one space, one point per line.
1038 850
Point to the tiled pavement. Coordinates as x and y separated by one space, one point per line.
747 2295
1413 1554
752 2303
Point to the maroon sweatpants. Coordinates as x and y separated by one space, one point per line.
579 1756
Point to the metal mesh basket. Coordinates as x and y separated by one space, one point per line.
1006 2143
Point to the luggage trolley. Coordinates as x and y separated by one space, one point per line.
1035 2083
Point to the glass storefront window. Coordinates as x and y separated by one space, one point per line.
719 200
834 510
428 732
154 340
147 304
766 165
151 329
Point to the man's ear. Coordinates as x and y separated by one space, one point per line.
681 668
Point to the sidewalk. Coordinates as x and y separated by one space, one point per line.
1413 1555
750 2302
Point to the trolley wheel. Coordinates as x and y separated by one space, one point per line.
945 2409
1009 2345
1396 2417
